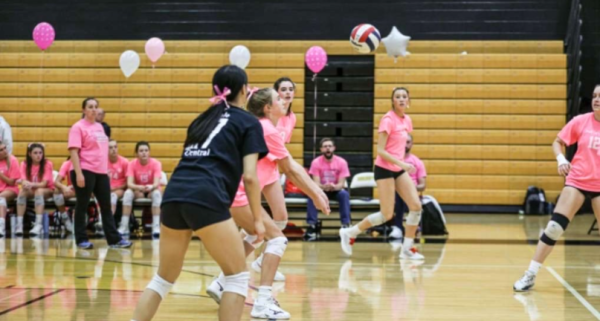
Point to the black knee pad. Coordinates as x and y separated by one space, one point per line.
556 227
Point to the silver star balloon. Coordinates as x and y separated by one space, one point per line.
396 43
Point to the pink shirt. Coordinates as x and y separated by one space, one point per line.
144 175
286 126
585 167
419 166
64 171
117 172
12 173
397 129
92 143
266 168
329 171
48 177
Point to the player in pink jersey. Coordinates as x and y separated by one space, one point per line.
143 181
391 177
37 183
267 106
286 88
117 171
62 192
10 174
582 180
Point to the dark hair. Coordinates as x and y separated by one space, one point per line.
394 92
277 84
85 101
230 76
326 139
29 161
141 143
256 104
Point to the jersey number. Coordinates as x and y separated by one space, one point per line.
222 123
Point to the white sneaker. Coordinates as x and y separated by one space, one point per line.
268 309
346 241
215 290
156 231
525 283
66 220
37 230
2 228
124 231
396 233
19 230
257 267
411 254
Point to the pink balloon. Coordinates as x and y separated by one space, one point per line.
155 48
316 59
43 35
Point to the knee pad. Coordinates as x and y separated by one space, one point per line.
39 200
160 286
156 198
59 199
21 200
277 246
3 202
556 227
128 198
413 218
237 283
281 224
113 199
376 219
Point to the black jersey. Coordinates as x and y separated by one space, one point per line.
209 174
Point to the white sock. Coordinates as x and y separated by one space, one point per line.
155 220
407 244
260 257
534 267
20 220
354 231
2 220
38 219
264 292
125 221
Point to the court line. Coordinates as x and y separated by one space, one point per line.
31 301
574 292
8 297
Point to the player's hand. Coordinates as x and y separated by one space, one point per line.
564 169
259 231
409 168
80 180
322 203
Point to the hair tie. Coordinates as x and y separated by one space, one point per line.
221 96
251 92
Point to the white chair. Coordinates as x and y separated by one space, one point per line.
363 180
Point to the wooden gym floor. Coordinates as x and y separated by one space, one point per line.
468 277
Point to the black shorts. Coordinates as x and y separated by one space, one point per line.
189 216
585 193
382 173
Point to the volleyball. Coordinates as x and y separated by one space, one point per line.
365 38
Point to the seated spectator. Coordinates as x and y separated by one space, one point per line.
100 119
9 176
37 183
117 171
6 135
62 192
143 180
329 172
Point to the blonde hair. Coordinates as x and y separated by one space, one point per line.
256 104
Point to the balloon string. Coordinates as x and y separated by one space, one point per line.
314 79
41 75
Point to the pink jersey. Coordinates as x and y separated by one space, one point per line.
266 168
286 126
65 170
12 173
397 129
92 143
117 172
585 167
144 174
419 166
329 171
34 173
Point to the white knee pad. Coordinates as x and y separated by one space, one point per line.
3 202
39 200
376 219
59 199
160 286
128 198
21 200
156 198
554 231
277 246
281 224
413 218
237 283
113 199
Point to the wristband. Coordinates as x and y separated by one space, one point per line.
562 160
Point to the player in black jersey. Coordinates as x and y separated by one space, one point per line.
222 145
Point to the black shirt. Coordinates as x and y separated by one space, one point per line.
209 174
106 129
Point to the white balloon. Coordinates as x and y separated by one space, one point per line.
396 43
239 56
129 62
